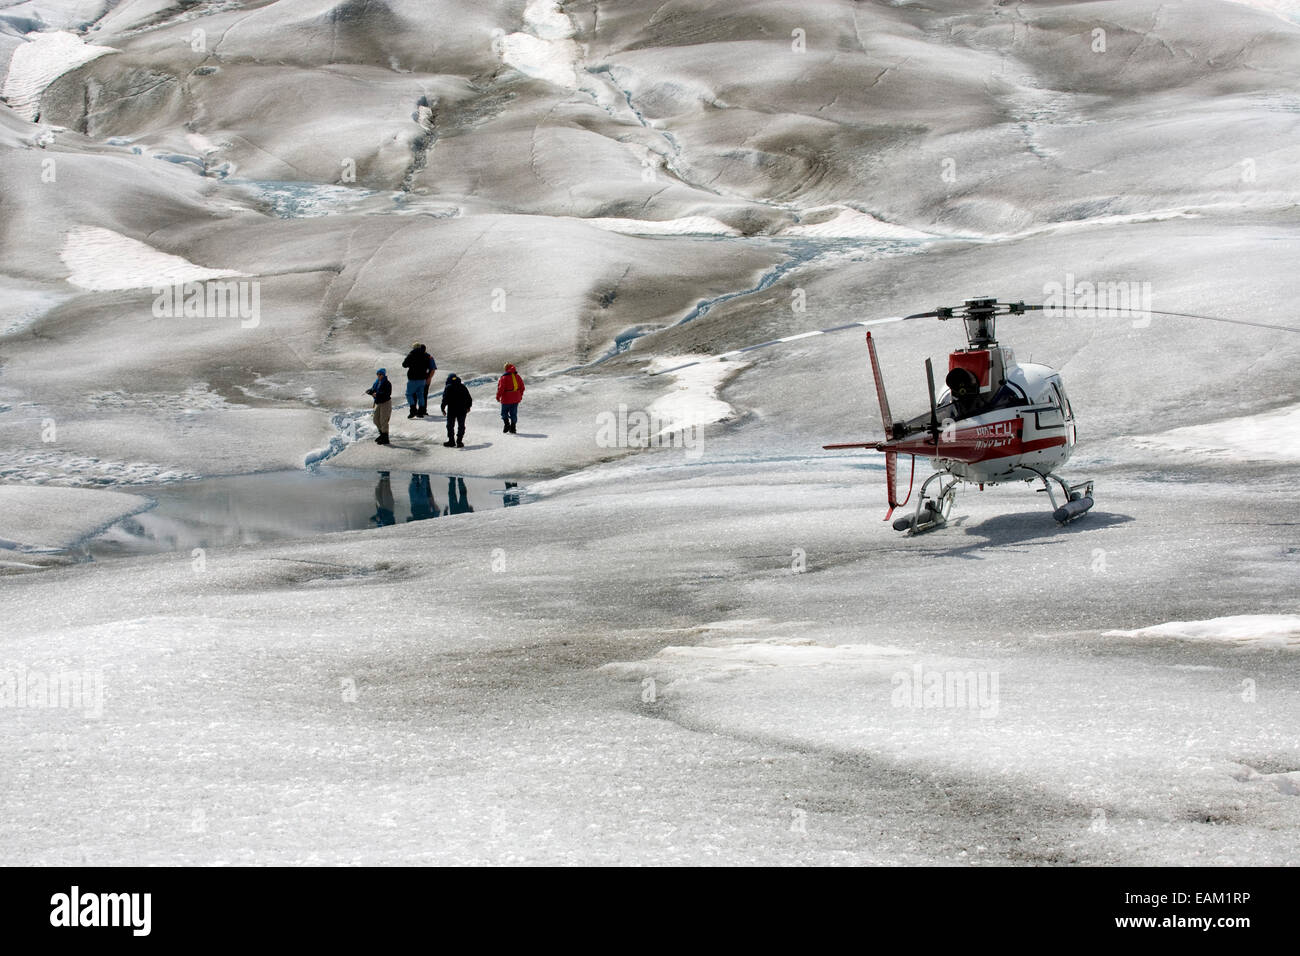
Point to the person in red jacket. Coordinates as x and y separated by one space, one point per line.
510 392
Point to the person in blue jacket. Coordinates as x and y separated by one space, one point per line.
382 393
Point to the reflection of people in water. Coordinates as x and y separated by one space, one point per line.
422 503
459 504
383 502
508 500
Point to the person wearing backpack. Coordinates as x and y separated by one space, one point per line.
510 392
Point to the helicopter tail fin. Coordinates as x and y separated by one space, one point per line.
886 419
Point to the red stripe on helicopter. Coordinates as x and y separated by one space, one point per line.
978 443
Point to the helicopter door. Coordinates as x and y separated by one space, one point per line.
1064 401
1050 413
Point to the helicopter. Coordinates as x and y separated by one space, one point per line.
997 420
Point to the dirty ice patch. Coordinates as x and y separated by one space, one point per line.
38 62
841 222
1270 436
102 260
682 226
692 402
1242 630
39 518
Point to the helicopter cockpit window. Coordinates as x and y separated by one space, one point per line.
965 400
1007 396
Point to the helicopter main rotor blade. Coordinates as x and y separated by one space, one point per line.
1180 315
1013 309
791 338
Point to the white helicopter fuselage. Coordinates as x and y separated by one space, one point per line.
1012 442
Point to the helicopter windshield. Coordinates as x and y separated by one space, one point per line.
1007 396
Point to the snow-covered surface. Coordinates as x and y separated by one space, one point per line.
1272 436
102 260
1241 630
551 60
547 20
685 226
38 62
692 401
722 659
549 53
843 222
668 653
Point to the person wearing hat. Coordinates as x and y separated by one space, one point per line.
382 393
510 392
420 366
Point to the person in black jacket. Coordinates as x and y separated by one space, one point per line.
382 393
456 403
420 366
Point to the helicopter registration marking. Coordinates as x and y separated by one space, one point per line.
996 435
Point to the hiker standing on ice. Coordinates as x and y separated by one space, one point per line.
382 393
456 403
510 392
420 366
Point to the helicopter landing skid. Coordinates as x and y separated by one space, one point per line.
1078 498
930 513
